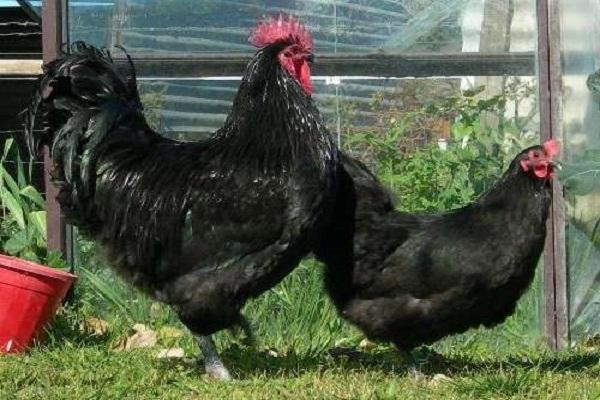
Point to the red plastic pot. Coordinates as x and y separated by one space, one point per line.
30 294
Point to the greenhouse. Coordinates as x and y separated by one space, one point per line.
436 98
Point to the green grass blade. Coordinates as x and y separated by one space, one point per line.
106 290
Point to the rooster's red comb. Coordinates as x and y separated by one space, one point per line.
552 148
282 28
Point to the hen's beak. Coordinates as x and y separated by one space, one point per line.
556 164
310 58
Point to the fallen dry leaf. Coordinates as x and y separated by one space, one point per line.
95 326
174 352
366 344
142 338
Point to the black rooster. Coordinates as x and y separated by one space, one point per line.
414 279
201 226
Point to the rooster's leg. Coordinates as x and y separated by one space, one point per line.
249 339
212 362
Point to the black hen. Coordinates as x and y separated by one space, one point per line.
414 279
201 226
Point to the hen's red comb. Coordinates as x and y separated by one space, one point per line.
283 28
552 148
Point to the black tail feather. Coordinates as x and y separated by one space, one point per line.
83 77
81 100
131 78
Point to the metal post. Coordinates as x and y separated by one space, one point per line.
555 263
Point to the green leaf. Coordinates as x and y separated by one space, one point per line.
30 255
106 290
21 180
14 207
10 182
17 243
32 194
38 220
7 146
56 260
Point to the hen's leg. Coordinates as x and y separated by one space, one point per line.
413 364
212 362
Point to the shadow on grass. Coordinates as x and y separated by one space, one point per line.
547 362
247 363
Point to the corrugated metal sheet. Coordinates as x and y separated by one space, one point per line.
20 39
20 35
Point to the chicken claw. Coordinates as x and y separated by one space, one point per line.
213 365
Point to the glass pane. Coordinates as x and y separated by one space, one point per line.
416 115
581 127
178 27
34 6
192 109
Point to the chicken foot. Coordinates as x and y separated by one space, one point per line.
213 364
414 364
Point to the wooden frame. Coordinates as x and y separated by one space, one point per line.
53 36
555 263
335 64
20 67
405 65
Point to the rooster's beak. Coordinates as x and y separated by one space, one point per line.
310 58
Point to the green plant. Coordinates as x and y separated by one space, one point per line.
298 309
153 100
23 228
448 172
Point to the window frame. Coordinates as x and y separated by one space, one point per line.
404 65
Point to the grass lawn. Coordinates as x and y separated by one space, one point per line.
296 329
93 372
